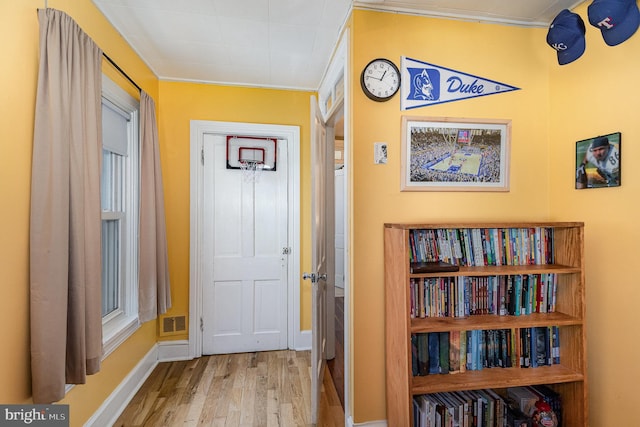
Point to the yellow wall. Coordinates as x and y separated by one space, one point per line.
595 95
18 75
183 102
512 55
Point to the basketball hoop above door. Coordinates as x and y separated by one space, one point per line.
252 155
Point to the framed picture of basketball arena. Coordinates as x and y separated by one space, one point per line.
450 154
598 161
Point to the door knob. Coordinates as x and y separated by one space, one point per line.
314 277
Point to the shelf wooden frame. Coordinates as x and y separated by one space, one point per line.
568 378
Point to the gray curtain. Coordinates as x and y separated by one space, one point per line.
65 224
154 295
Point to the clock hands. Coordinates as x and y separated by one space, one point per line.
380 78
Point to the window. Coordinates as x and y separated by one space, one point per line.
119 191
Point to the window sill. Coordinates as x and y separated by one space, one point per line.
116 332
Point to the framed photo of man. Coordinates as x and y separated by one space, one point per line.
598 161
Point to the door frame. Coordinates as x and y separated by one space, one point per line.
334 95
296 339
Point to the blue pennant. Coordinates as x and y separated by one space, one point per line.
426 84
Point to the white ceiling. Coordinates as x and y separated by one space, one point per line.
276 43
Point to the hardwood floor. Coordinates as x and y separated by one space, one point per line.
246 389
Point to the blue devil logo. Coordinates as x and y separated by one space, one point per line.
425 84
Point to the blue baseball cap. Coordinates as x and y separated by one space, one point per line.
566 36
617 19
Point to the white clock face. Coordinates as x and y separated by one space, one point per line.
380 80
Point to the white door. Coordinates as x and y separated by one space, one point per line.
245 233
320 258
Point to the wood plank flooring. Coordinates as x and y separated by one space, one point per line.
245 389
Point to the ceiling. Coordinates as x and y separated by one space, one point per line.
276 43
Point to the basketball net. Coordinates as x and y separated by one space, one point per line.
251 170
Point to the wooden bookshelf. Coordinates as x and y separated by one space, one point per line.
568 377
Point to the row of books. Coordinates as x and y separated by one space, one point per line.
539 346
483 246
514 406
463 296
453 352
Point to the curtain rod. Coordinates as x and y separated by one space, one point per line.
121 71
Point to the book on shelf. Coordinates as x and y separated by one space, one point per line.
555 346
444 352
515 417
478 408
483 246
525 399
462 296
518 295
413 298
525 347
414 355
488 404
460 351
454 352
482 350
468 403
499 407
432 267
549 345
423 354
451 409
539 346
486 407
420 312
504 361
472 350
463 351
434 352
417 415
511 297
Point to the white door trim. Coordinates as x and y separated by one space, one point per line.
295 337
336 87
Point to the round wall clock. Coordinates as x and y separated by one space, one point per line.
380 79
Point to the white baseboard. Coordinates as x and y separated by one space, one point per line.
303 341
169 351
380 423
112 407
